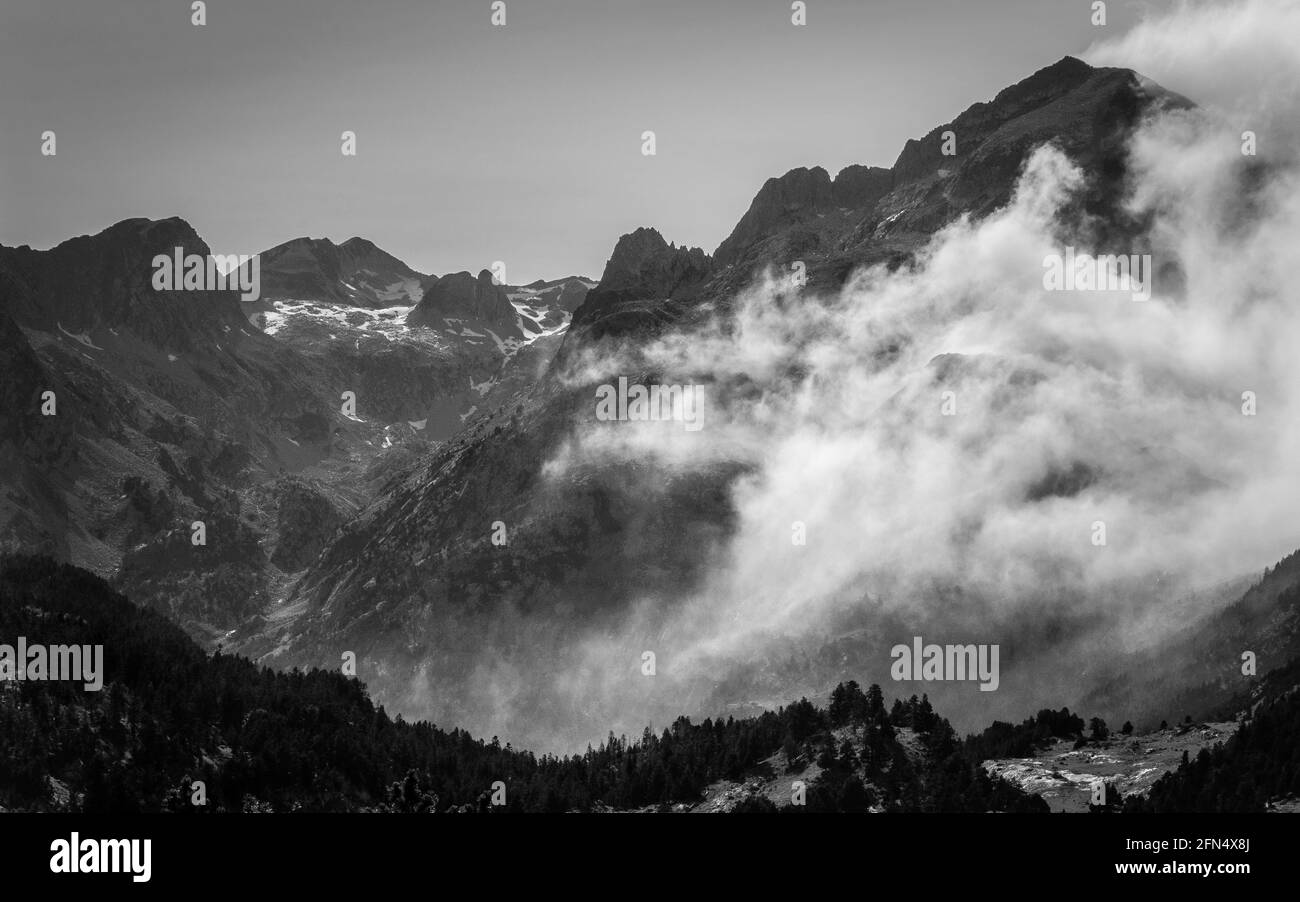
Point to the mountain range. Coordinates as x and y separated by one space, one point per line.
177 407
415 584
400 466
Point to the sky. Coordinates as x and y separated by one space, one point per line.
478 143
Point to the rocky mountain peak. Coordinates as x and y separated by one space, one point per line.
923 156
643 272
798 193
463 295
358 245
106 281
644 261
869 214
356 272
859 187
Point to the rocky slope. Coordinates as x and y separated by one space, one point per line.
1201 669
1065 777
170 407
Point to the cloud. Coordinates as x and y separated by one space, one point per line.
1238 57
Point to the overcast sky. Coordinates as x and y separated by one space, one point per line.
478 143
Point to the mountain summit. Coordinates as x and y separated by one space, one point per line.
355 272
104 281
466 297
874 215
643 268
